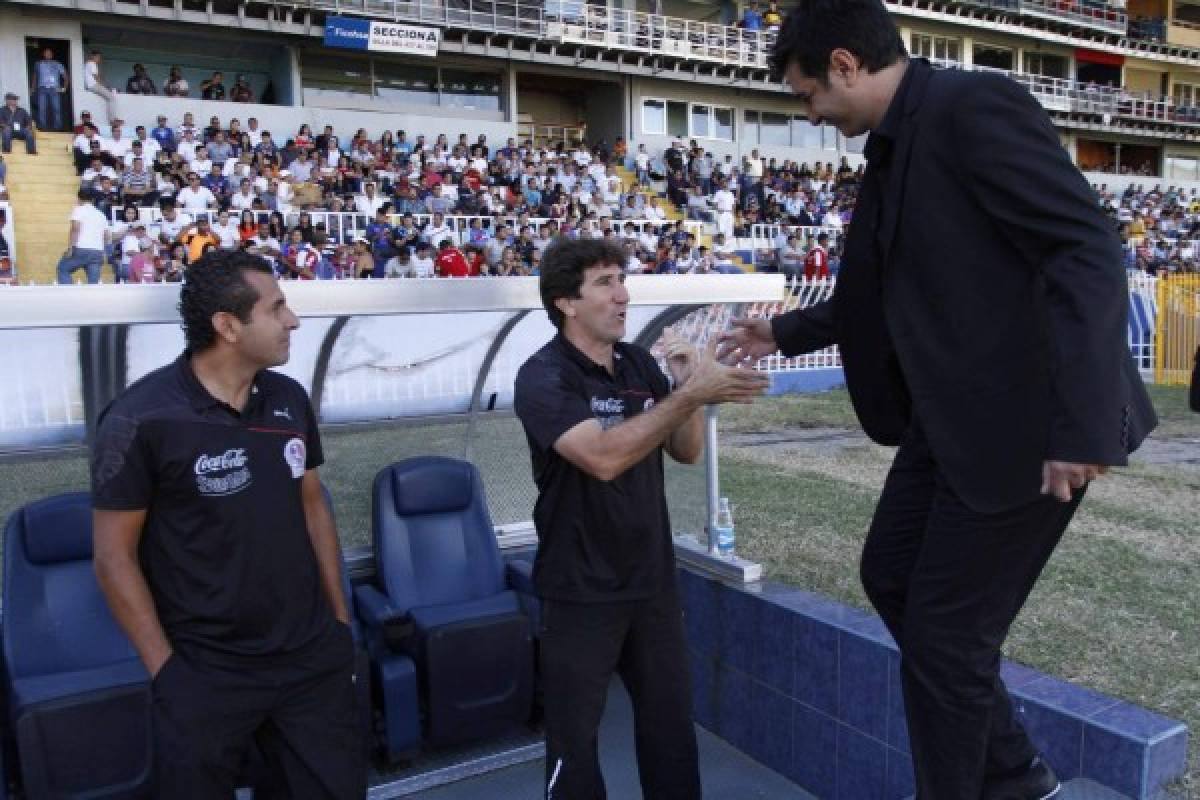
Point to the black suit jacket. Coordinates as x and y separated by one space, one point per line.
987 297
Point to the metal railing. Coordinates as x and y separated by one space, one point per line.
544 135
572 21
1087 14
343 226
567 21
1068 96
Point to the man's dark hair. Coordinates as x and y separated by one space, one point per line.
563 264
217 282
815 28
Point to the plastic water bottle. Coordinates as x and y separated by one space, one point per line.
725 533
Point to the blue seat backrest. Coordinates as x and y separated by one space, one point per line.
433 536
55 618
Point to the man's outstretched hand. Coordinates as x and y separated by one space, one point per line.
1062 478
746 342
710 381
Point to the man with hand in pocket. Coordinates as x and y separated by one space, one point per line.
218 554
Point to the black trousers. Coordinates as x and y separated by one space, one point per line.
303 715
582 645
948 582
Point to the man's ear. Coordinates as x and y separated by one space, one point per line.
227 326
844 66
566 305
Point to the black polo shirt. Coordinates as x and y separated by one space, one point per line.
597 541
225 549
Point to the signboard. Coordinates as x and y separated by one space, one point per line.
381 37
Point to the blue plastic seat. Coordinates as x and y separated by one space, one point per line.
446 632
78 695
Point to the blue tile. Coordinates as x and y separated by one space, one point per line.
704 688
901 783
1056 735
1059 694
1114 736
814 751
1113 760
872 627
816 664
837 614
897 718
770 740
737 631
1137 722
700 611
1167 761
773 650
862 766
863 685
734 722
1017 675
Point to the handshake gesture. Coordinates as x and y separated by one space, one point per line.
700 375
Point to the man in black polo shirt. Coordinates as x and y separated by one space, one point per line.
218 554
598 414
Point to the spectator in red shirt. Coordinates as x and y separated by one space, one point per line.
450 262
816 263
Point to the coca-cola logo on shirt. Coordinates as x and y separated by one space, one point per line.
223 474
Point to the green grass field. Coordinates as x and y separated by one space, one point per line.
1117 608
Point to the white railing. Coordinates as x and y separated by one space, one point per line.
762 237
567 21
573 21
1093 15
343 226
707 322
1061 94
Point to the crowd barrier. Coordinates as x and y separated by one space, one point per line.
10 238
343 226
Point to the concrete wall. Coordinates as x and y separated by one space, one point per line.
17 22
284 121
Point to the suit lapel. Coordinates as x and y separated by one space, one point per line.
892 199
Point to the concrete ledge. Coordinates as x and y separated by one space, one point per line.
811 688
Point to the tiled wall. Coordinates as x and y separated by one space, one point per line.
811 688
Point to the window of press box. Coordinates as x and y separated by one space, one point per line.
339 77
676 118
772 129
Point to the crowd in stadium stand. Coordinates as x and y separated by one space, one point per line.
1160 227
175 190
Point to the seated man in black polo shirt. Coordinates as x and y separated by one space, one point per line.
218 554
598 414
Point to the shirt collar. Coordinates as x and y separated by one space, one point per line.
884 135
584 361
201 399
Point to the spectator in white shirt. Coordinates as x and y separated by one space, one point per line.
369 202
202 164
194 196
116 145
724 202
173 223
89 239
244 197
187 146
254 132
93 81
226 230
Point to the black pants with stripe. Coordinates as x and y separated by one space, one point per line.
303 715
948 582
582 645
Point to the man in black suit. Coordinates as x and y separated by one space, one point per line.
981 315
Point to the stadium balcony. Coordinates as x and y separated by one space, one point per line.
1144 39
1093 106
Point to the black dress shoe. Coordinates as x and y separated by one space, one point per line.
1036 783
